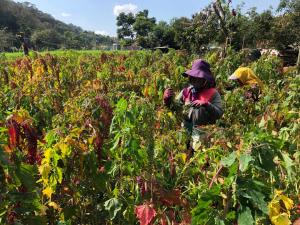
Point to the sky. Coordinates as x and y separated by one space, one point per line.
100 15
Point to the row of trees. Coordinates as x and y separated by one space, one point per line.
217 24
43 30
144 31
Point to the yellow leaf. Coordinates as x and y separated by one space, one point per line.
183 157
274 208
44 181
68 139
91 140
44 170
54 205
170 114
278 193
64 149
48 192
18 118
278 214
287 202
146 91
43 210
229 145
47 154
281 219
76 132
82 146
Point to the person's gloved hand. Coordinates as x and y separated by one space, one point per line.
168 95
198 103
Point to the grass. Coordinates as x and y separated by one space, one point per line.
14 55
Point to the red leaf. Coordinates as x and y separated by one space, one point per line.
297 222
12 136
163 220
13 132
187 218
31 137
145 214
98 147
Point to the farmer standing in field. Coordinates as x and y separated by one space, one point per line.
246 78
201 102
25 42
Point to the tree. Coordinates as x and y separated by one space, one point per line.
216 24
7 40
256 29
205 29
125 27
46 39
142 26
287 27
182 28
163 35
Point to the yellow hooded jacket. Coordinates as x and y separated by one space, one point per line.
246 76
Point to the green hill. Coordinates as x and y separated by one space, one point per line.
44 31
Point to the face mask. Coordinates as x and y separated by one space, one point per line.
198 85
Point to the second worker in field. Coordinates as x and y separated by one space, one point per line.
200 101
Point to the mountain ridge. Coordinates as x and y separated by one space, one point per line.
43 30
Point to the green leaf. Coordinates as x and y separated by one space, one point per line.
99 181
35 220
245 217
231 215
3 157
288 164
244 161
26 173
229 160
59 173
113 206
257 198
116 142
64 223
128 213
218 221
122 105
3 129
51 138
69 212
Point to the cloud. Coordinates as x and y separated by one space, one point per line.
102 32
126 8
65 14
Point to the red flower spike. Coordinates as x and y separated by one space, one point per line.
14 133
98 147
31 137
12 136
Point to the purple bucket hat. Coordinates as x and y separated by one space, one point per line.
200 69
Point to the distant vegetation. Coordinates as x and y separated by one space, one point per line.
44 32
218 24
